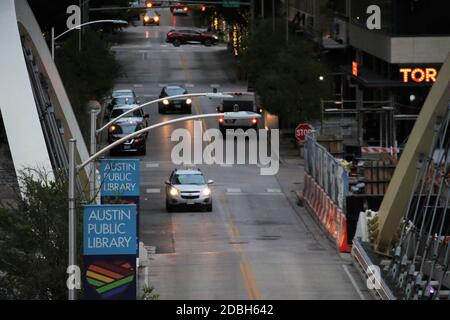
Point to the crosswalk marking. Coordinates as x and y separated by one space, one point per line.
153 190
234 190
273 190
152 165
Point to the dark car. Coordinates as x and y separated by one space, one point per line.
121 101
184 105
138 114
125 127
179 8
178 37
151 17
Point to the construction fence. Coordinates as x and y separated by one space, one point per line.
325 190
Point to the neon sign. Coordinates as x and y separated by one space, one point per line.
418 75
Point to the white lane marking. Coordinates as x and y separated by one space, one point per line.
352 280
153 190
246 194
163 45
189 85
273 190
152 165
234 190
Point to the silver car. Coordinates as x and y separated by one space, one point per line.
188 188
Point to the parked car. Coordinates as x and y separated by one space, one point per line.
151 17
178 37
183 105
123 127
188 188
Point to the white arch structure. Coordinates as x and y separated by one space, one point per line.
17 103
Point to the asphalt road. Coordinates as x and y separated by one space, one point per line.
256 244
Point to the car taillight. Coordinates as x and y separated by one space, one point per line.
221 120
185 9
254 121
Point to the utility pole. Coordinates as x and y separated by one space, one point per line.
72 213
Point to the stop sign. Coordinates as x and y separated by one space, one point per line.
301 131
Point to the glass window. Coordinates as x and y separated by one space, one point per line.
135 114
175 91
196 179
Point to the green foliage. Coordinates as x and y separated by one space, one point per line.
286 76
34 241
89 74
149 293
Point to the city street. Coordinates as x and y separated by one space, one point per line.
256 243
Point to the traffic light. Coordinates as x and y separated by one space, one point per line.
149 4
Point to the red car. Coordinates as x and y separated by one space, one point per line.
178 37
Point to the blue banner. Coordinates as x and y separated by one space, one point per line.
120 177
109 229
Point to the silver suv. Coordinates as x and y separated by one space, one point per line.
188 188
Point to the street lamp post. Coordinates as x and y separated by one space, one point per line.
78 27
74 170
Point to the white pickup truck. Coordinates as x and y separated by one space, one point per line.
241 113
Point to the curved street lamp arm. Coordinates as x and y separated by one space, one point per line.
88 23
137 133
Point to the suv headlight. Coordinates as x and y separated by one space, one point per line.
188 101
165 102
206 192
174 192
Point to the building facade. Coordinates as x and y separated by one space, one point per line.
391 68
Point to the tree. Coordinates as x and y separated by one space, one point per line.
87 75
34 240
289 78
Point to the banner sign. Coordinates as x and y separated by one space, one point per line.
109 249
110 277
109 229
120 177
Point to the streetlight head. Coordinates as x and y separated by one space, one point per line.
242 115
321 78
218 95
